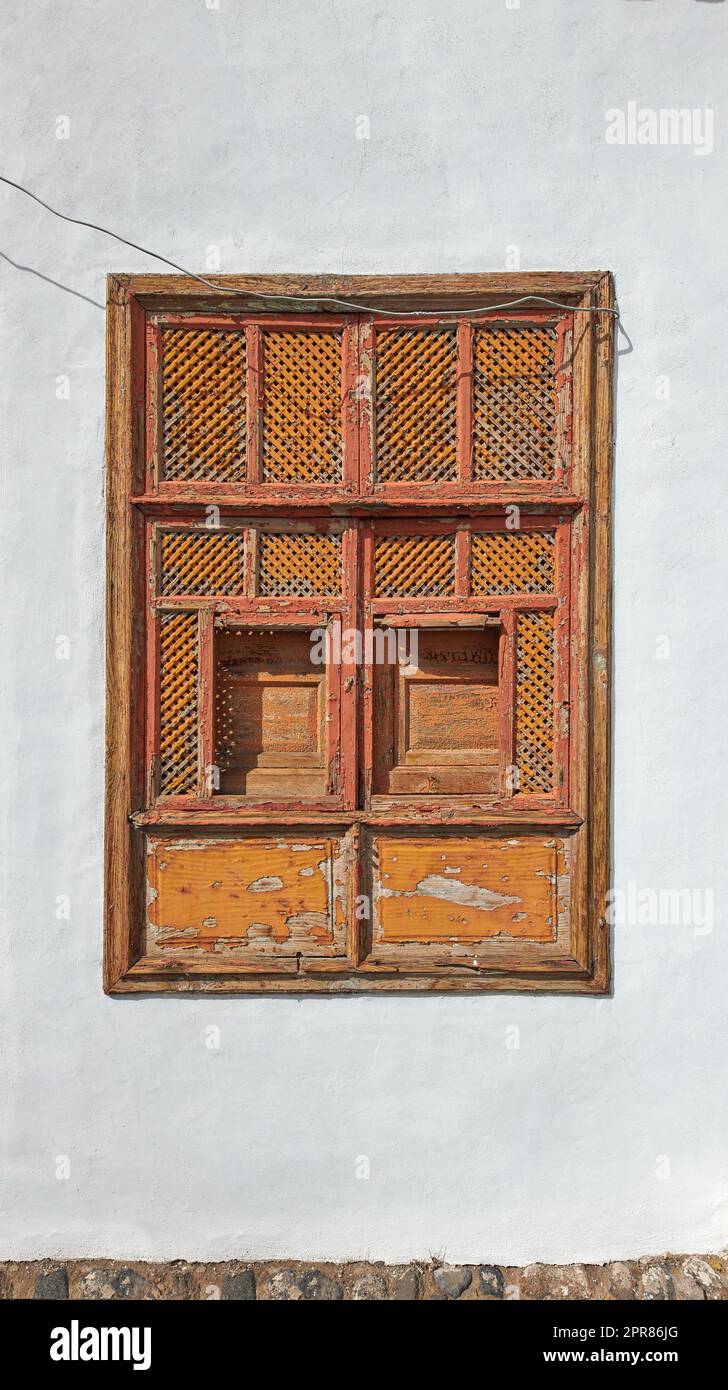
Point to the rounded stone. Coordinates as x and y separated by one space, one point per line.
452 1280
406 1285
491 1283
370 1288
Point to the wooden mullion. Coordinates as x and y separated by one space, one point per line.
350 430
366 386
250 562
562 402
366 761
254 387
507 698
562 643
206 701
350 672
464 410
153 407
187 812
332 722
462 560
152 668
476 603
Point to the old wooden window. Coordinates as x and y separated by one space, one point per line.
290 476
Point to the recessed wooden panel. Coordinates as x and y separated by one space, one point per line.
275 894
269 715
465 889
436 724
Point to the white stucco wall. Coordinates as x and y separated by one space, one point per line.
604 1133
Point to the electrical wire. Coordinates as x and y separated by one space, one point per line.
307 299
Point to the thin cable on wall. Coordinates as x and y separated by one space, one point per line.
307 299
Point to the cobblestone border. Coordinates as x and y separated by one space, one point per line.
681 1277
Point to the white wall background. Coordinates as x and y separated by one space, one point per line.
604 1134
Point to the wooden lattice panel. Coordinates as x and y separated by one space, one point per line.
414 565
202 562
416 405
535 702
514 403
302 411
203 405
179 664
512 562
290 564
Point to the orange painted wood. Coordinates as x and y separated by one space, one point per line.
465 889
261 896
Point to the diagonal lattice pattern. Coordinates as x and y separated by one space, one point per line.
414 565
416 405
203 405
178 703
535 702
298 565
512 562
202 562
514 403
302 419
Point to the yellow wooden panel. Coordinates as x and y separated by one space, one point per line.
269 894
466 889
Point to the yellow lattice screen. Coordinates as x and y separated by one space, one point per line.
512 562
514 403
302 411
202 562
203 405
414 565
415 392
178 703
305 565
535 702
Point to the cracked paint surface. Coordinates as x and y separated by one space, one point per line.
260 894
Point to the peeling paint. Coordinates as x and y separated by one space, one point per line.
463 894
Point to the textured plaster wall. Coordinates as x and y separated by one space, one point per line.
233 130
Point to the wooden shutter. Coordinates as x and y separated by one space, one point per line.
299 502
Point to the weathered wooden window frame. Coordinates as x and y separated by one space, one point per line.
139 503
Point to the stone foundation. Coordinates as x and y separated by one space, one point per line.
691 1277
